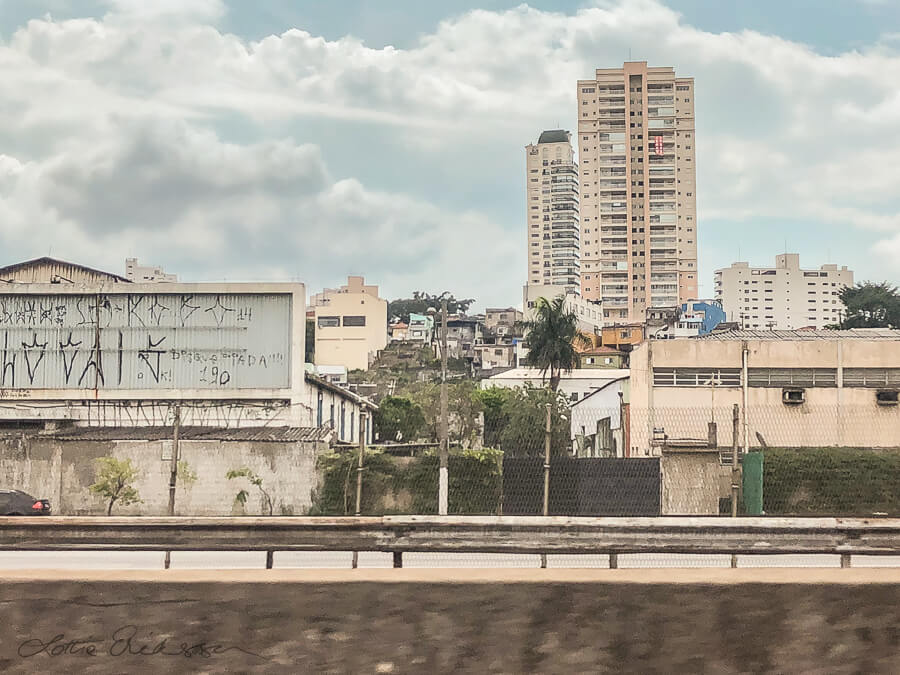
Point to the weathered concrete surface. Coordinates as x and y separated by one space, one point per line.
437 621
62 471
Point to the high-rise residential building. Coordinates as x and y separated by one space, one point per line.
552 207
636 148
783 297
142 274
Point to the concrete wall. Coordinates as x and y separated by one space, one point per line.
691 483
831 416
62 472
441 621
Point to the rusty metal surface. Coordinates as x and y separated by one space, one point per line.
504 534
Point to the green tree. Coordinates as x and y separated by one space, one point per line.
399 418
463 406
420 302
525 411
115 479
496 415
256 481
870 305
551 337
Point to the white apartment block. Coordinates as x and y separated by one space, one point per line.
552 208
784 297
142 274
588 313
636 148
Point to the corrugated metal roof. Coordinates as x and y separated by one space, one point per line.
852 334
9 269
260 434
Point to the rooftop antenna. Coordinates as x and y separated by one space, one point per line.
629 53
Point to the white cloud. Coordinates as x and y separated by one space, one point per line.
97 106
218 210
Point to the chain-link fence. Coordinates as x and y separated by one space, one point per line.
618 461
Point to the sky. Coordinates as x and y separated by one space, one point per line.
307 140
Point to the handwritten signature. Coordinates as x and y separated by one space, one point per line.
125 641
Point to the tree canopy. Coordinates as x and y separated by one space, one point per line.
398 418
524 418
420 302
551 337
871 305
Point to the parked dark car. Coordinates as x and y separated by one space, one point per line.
18 503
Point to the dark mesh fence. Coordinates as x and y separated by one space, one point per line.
620 462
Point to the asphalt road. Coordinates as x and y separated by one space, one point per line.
128 560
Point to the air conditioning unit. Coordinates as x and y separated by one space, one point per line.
793 396
887 397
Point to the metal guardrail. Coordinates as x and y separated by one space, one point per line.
463 534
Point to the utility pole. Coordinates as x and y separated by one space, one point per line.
173 471
359 475
546 509
735 469
443 478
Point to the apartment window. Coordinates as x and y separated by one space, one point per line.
697 377
329 321
354 321
319 410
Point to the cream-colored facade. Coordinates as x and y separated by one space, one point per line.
552 207
147 274
783 297
636 149
351 325
798 388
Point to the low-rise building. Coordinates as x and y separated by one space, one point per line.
623 337
502 322
351 325
463 333
491 356
399 331
333 374
52 271
599 421
575 384
339 409
807 388
602 357
421 328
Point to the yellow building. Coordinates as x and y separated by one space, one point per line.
351 325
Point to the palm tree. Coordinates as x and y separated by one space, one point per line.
551 337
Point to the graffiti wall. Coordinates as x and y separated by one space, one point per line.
144 341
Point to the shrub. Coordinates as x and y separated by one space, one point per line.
831 481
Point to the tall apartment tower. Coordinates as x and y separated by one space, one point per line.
638 189
552 207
